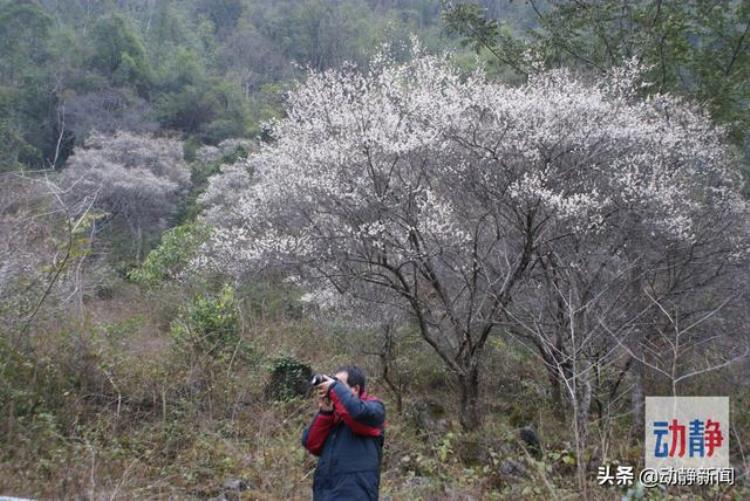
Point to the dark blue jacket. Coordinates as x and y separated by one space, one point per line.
349 443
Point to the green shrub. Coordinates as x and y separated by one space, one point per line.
290 378
177 247
209 324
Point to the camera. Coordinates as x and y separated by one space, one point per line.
319 378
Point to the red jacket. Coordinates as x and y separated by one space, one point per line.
362 415
348 442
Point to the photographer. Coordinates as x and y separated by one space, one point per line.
347 435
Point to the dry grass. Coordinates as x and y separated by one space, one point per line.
133 420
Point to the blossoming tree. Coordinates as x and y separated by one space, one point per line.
139 180
447 193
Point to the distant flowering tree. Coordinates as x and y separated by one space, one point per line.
447 193
139 180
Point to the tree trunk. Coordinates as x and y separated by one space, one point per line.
581 427
139 244
636 401
387 355
555 389
394 387
469 412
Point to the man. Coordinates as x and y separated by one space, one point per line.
347 435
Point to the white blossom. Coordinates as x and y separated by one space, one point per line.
416 168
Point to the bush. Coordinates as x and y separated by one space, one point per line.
208 325
289 378
178 246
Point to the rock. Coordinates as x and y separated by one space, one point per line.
531 439
416 483
430 417
230 490
511 467
235 484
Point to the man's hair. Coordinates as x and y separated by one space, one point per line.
354 376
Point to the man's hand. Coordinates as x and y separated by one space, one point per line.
324 403
324 386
